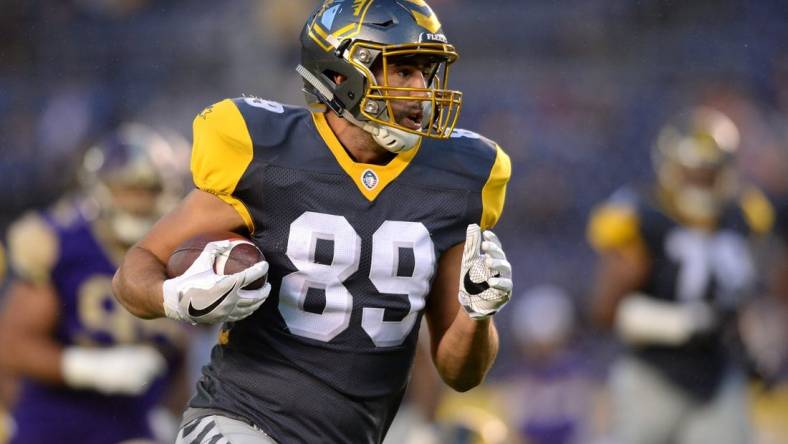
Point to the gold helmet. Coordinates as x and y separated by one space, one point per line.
693 158
354 39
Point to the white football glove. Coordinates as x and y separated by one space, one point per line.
485 276
120 370
201 296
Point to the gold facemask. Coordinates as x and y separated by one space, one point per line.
440 106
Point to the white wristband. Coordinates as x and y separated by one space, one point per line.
171 300
76 366
641 319
123 369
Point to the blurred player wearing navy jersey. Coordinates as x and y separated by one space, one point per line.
779 279
89 371
676 266
371 210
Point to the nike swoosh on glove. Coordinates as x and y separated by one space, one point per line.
201 296
485 274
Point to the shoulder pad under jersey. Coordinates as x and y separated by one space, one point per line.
33 248
269 123
758 210
615 223
227 135
480 160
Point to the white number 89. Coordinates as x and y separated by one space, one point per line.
387 243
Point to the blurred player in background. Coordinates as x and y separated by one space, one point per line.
90 372
676 263
779 278
371 212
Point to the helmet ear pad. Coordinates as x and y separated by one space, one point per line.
349 92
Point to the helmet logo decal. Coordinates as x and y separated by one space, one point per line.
320 29
369 179
328 16
358 5
424 16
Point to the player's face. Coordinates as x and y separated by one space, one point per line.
701 178
407 72
138 201
134 210
698 193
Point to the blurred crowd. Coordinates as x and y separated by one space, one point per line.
574 90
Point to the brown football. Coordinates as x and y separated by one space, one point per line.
243 255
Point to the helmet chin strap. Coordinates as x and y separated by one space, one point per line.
392 139
396 140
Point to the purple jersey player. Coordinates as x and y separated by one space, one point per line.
90 372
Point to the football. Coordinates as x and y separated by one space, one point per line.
242 255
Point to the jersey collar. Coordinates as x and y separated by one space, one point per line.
370 179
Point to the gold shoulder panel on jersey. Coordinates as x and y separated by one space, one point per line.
494 191
33 248
758 211
379 175
221 153
613 226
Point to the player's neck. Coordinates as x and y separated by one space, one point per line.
357 142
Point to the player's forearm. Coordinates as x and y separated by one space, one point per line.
138 283
618 275
603 309
31 357
466 352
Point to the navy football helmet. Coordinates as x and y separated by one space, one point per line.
357 38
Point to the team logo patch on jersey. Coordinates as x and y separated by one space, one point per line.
369 179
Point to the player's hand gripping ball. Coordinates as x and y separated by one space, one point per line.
214 278
243 254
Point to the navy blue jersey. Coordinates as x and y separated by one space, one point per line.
687 264
781 219
353 249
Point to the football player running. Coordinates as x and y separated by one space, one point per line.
675 265
89 371
370 211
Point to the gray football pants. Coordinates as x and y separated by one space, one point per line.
218 429
647 409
